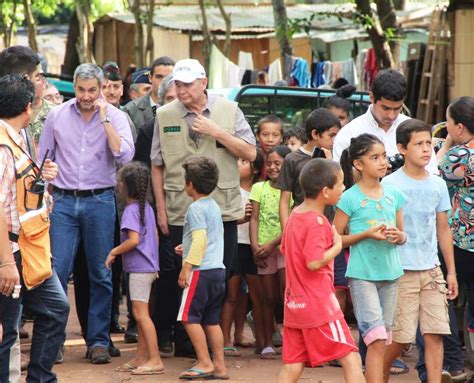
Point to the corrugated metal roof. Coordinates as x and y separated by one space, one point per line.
251 19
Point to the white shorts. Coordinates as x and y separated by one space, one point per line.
140 284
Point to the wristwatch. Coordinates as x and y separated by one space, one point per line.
106 120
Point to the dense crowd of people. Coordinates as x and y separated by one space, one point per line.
208 224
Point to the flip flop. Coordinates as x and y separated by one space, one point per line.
232 352
126 367
399 367
244 344
268 353
143 370
199 374
218 377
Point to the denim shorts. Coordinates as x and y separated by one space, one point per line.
375 304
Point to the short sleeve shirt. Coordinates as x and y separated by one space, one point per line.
457 169
144 258
268 198
310 299
370 259
205 214
243 229
288 180
423 200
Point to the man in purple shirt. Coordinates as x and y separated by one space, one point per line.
86 136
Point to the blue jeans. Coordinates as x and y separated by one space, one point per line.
453 355
374 307
91 219
50 307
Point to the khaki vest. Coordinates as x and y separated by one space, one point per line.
177 146
33 238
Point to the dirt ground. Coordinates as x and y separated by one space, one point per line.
248 368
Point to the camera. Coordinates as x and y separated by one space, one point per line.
396 161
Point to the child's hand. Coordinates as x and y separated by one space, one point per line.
336 239
179 250
183 278
394 235
248 211
453 288
110 259
265 250
327 153
377 232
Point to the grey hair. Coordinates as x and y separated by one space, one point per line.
89 71
165 85
134 87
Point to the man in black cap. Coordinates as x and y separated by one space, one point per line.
144 108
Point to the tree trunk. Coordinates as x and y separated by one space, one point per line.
228 28
207 37
71 58
8 28
31 23
373 28
399 4
84 45
139 45
149 50
388 21
282 33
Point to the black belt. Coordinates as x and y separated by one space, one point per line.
82 193
13 237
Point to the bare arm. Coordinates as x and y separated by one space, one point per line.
445 240
329 254
253 226
128 245
284 209
340 222
113 138
9 276
159 192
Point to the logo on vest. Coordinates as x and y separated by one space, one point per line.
172 129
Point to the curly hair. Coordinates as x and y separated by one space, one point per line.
136 179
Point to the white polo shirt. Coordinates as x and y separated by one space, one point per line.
367 124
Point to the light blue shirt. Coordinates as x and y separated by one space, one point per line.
370 259
424 198
205 214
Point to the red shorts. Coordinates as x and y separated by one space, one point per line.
317 345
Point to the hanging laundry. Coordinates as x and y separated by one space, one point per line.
359 63
245 60
274 72
223 73
371 68
300 73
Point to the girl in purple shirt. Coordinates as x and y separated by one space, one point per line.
139 247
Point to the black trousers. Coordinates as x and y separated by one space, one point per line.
168 293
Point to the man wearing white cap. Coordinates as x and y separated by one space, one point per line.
195 124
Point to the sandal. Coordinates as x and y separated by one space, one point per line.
268 353
232 352
399 367
143 370
196 374
126 367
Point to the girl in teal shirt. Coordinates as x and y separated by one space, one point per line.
369 218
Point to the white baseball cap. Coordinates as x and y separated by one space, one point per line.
188 70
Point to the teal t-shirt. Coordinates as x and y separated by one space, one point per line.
424 199
370 259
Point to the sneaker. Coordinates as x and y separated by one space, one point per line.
131 335
166 349
60 356
446 377
99 355
114 351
